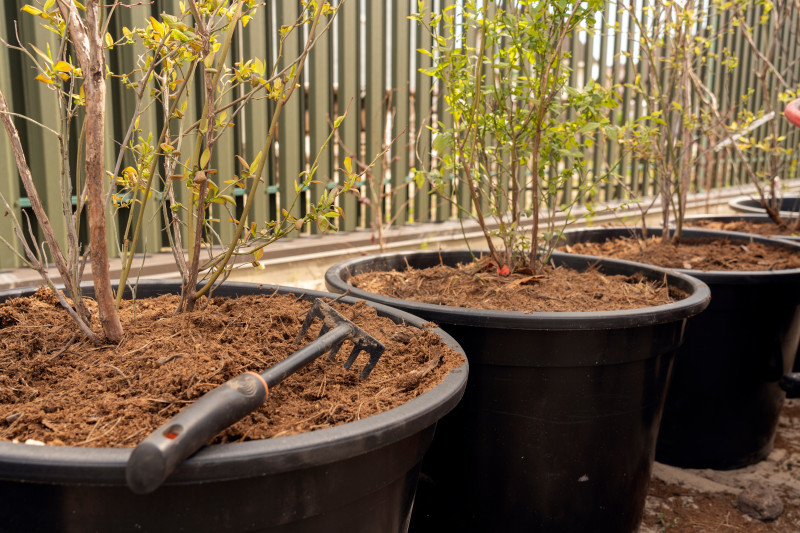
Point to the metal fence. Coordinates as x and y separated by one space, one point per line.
367 63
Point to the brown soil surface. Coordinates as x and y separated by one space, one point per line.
557 289
695 254
704 501
57 388
744 226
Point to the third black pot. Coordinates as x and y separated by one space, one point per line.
789 205
557 428
723 404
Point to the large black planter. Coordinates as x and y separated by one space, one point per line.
750 218
557 428
358 477
723 404
789 205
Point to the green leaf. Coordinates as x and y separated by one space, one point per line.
589 126
204 158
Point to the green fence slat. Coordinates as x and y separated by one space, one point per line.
422 122
40 104
122 60
444 203
224 161
9 181
627 164
321 115
348 97
290 154
254 124
745 84
375 106
401 9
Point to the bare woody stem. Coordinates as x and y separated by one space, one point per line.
128 258
260 170
544 101
38 210
471 129
89 50
211 82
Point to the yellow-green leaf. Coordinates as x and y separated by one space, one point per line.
209 60
204 158
42 55
348 165
109 41
63 66
32 10
49 4
44 79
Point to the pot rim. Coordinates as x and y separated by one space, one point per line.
741 277
740 204
219 462
700 295
752 217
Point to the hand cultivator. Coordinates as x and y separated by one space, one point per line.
185 433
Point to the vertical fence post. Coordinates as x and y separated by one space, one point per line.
375 105
321 114
122 60
400 84
348 97
422 121
40 105
254 123
9 181
290 125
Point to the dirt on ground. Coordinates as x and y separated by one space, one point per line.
478 286
694 254
57 388
712 501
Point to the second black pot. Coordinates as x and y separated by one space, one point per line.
557 428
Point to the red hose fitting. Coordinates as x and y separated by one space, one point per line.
792 112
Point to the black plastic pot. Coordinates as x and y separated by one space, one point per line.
358 477
789 205
791 386
723 404
557 428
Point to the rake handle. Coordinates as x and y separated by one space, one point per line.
162 451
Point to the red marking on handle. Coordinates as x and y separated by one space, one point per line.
171 436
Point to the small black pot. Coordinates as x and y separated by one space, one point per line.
558 425
358 477
789 205
723 404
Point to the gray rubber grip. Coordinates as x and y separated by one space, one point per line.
159 454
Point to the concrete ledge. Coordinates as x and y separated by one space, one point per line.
302 261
